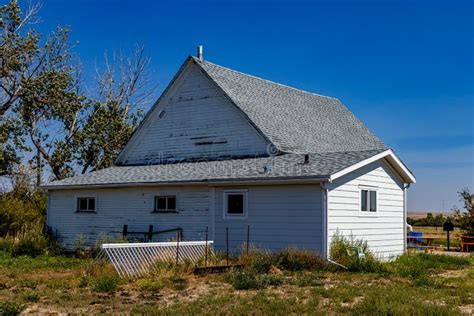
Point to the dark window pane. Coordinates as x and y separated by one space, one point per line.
363 201
82 204
91 204
235 204
161 203
171 203
373 201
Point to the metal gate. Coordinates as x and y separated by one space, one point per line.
135 259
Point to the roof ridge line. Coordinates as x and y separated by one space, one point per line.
263 79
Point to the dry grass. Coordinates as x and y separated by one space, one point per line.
57 284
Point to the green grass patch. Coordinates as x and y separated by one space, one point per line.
40 262
421 264
105 283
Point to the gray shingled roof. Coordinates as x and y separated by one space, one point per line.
295 121
289 166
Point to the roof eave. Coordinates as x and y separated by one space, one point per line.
388 155
207 182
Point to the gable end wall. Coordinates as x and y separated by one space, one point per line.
383 232
197 121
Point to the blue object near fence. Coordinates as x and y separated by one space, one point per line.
417 241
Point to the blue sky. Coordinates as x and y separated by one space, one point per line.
404 68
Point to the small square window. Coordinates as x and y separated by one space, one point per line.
235 204
368 201
86 204
165 203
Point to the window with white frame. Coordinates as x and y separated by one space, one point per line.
165 203
368 201
86 204
235 203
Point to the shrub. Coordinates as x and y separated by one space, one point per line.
105 283
177 282
270 279
151 285
80 247
247 279
244 279
259 260
10 308
20 211
341 252
6 245
296 260
33 246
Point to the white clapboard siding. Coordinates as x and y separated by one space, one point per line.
131 206
279 217
383 232
196 121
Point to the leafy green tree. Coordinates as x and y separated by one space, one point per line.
8 156
43 109
438 220
37 85
465 218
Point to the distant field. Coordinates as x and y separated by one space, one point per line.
417 215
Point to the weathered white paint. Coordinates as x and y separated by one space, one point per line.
131 206
384 231
193 120
279 217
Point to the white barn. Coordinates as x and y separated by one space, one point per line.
229 151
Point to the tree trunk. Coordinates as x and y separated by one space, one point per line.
38 168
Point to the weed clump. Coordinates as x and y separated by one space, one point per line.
150 285
250 279
261 261
105 283
342 251
292 259
303 279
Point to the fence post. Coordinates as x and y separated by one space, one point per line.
150 232
248 238
205 260
227 244
177 247
125 231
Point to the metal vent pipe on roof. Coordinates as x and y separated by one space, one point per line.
199 52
